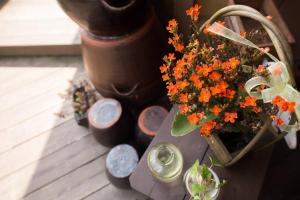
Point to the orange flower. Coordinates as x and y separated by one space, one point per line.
226 66
163 68
230 117
189 57
234 62
288 106
179 47
243 34
206 31
216 110
256 109
175 38
171 56
278 120
172 89
183 98
222 86
193 118
194 12
204 95
216 64
183 108
250 101
204 70
221 46
206 128
194 77
165 77
229 94
278 101
260 69
182 84
215 76
172 26
215 90
242 105
198 84
196 81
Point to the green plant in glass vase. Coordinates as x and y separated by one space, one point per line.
201 182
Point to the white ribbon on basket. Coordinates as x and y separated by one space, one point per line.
278 84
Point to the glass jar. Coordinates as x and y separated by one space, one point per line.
188 180
165 162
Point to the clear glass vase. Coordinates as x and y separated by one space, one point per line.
165 162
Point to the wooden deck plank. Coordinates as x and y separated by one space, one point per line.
38 175
34 126
24 76
29 89
33 24
75 185
112 193
26 109
39 147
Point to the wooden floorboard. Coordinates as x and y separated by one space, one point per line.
111 192
34 27
43 155
75 185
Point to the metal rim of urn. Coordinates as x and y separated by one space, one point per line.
110 125
141 120
102 103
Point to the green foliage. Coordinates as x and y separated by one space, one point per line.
196 189
181 126
205 173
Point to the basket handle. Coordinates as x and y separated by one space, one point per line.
281 45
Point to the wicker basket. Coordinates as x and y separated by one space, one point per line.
267 134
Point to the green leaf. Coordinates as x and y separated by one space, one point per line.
209 116
181 126
195 168
196 189
205 173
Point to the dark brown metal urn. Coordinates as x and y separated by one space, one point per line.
122 47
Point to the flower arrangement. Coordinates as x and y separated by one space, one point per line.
225 85
210 79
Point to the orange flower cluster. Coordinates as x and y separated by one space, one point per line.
283 105
205 80
194 12
206 128
278 120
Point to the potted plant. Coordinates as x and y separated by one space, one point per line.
202 183
84 96
226 87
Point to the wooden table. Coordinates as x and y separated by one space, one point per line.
244 179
